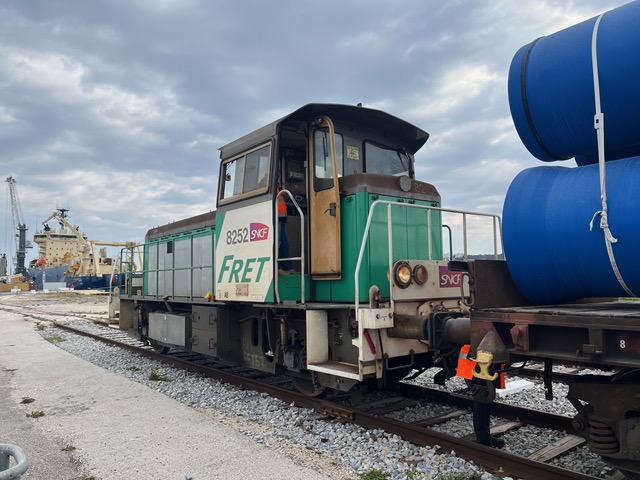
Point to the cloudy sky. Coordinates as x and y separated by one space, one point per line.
116 109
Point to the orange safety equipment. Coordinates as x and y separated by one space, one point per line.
282 205
466 366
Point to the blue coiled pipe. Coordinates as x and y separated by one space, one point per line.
551 89
552 254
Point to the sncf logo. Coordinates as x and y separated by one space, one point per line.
449 279
258 231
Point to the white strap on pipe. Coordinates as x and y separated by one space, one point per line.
598 124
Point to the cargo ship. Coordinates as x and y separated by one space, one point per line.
66 255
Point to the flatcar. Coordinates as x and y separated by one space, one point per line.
570 233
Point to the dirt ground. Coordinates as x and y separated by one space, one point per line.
91 305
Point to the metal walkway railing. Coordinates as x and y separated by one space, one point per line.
496 225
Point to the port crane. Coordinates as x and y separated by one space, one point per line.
19 227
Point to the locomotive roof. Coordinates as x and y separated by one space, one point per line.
412 136
192 223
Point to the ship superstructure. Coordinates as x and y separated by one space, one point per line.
65 254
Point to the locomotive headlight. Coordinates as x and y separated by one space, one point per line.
402 274
420 274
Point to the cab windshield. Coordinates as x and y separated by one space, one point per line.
381 159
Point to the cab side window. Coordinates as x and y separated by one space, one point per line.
246 174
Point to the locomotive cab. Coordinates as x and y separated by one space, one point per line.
319 160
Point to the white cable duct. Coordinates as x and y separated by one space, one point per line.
598 124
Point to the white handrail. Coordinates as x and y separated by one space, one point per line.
497 225
277 249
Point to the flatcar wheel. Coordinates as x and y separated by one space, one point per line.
630 475
161 349
306 387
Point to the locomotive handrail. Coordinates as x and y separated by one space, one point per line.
126 264
450 240
496 223
277 249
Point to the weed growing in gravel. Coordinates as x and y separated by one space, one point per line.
26 400
68 448
133 369
458 476
155 376
36 414
414 475
54 339
374 474
40 326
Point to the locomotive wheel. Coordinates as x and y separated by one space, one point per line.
305 386
161 349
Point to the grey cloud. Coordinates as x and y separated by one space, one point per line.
116 108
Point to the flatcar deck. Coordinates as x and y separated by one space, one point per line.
599 333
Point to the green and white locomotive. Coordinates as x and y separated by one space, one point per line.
363 294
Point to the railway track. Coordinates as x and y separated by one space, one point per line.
384 410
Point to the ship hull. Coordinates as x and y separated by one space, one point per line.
91 282
42 277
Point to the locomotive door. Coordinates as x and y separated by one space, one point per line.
324 201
